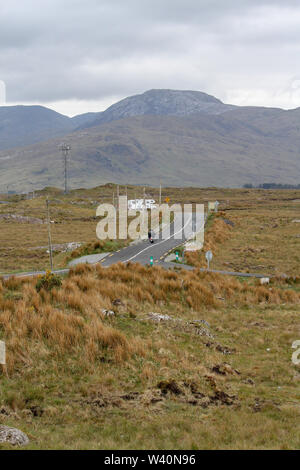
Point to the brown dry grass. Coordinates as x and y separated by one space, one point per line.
80 380
217 233
63 321
83 381
262 218
69 319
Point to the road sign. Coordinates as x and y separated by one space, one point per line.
177 255
209 257
167 200
151 260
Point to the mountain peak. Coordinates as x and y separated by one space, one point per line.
163 102
184 94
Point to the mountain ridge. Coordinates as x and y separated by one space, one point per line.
25 125
231 148
163 102
198 150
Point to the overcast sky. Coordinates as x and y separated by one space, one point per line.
82 55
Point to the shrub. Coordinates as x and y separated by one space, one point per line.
48 281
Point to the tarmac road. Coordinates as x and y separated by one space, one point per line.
140 252
168 239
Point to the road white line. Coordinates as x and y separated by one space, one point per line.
163 241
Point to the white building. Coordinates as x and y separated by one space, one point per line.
141 204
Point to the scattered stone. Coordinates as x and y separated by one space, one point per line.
296 221
158 317
61 247
199 330
72 246
204 322
264 280
108 313
22 219
13 436
118 302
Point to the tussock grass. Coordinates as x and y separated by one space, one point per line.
74 372
64 322
69 319
80 380
216 234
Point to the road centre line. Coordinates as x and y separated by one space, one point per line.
163 241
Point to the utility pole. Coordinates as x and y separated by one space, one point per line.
144 209
65 149
118 195
49 235
160 192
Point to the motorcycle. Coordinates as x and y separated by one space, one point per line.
150 236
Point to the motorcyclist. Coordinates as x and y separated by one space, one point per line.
150 236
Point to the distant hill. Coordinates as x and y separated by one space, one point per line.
26 125
83 120
242 145
163 103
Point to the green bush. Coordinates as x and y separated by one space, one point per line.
48 281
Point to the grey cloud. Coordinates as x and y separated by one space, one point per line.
89 49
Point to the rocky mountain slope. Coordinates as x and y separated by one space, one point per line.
242 145
163 103
26 125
